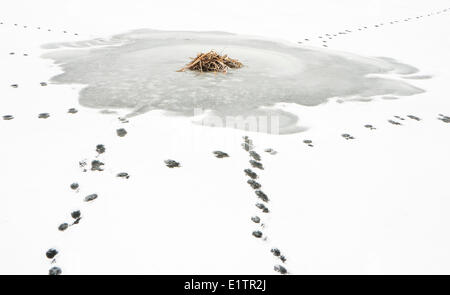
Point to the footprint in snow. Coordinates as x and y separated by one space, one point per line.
123 175
347 136
8 117
172 163
256 164
394 122
368 126
219 154
308 142
270 151
55 271
414 117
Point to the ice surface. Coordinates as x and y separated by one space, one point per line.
138 70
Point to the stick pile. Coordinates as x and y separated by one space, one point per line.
211 62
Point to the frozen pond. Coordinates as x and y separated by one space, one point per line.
138 71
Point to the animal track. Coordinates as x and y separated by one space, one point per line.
255 162
172 163
330 36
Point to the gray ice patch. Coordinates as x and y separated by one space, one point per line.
138 71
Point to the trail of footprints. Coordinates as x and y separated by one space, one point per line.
325 38
76 214
95 166
36 28
255 163
396 120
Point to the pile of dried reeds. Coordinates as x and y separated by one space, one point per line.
212 62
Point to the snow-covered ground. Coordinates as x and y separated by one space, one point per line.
375 204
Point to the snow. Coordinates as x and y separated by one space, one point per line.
376 204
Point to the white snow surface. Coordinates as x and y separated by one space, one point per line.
377 204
